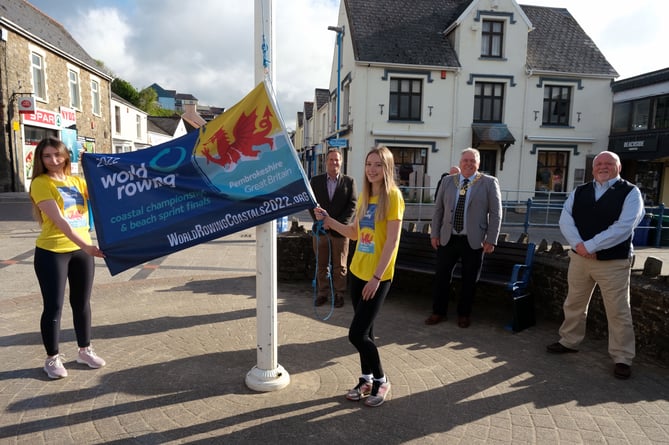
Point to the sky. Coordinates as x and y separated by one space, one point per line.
205 48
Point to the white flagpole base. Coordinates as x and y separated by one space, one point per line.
266 380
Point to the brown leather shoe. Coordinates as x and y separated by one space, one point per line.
559 348
464 321
320 301
622 371
339 301
434 319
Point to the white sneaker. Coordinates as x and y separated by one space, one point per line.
89 357
53 366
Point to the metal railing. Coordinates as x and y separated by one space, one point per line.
529 208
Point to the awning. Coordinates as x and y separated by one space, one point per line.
492 134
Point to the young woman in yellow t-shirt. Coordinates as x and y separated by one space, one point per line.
64 252
377 227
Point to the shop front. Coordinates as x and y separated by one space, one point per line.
644 158
42 123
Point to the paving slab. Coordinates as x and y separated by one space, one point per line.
179 337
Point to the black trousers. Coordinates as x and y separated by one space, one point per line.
53 271
360 333
458 248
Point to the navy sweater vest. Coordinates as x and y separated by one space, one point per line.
592 217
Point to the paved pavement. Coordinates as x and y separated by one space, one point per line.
179 336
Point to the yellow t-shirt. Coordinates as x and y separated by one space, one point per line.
372 236
71 196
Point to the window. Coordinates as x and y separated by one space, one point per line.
411 173
75 97
406 97
641 115
333 112
640 112
661 113
346 92
551 171
33 135
39 78
488 102
492 36
488 164
138 122
95 95
557 100
409 160
117 119
621 117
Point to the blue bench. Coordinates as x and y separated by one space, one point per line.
508 266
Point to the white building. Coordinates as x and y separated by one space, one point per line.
165 128
523 84
129 126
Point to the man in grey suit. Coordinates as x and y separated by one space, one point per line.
336 193
465 226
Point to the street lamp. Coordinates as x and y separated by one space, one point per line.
340 33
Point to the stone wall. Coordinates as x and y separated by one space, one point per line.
295 255
17 70
649 291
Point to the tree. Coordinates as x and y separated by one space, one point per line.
126 91
148 101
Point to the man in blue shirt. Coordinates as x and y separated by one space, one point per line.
598 221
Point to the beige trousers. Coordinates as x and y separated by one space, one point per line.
613 278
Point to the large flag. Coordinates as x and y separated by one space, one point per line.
238 171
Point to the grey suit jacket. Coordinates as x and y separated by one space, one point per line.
483 214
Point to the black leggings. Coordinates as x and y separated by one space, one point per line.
53 270
360 334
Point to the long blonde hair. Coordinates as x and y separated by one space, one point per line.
39 168
388 184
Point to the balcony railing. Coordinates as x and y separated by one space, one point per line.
529 208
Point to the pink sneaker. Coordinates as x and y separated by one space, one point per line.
53 366
379 393
361 390
89 357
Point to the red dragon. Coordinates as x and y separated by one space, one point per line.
246 138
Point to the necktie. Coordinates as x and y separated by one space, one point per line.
332 185
459 221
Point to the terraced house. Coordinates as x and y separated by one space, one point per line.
49 86
523 84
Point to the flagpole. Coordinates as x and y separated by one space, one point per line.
268 374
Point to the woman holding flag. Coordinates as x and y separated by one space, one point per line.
376 227
64 252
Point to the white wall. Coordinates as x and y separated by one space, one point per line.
452 101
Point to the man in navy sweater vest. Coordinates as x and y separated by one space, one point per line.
598 221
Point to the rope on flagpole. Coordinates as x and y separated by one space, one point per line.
319 230
264 46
